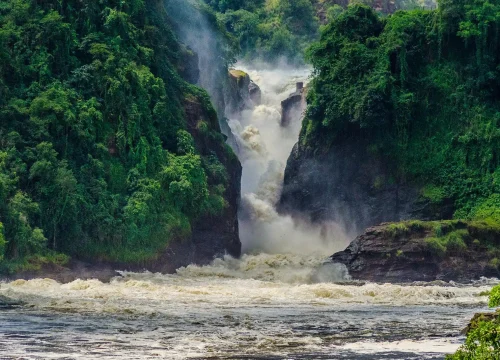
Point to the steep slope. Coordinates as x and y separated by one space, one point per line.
106 152
277 31
402 119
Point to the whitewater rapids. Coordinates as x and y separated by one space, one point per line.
257 307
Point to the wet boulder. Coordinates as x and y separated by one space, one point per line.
238 93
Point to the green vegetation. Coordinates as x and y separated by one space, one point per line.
483 335
395 230
95 159
452 237
452 242
271 30
421 87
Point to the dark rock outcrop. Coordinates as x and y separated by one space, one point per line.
293 107
352 186
402 253
241 93
255 93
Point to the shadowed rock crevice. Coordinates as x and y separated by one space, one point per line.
293 107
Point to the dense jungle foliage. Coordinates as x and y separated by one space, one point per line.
95 159
277 30
422 88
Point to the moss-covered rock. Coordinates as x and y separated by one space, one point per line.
241 93
424 251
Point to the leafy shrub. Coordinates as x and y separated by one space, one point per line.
433 193
279 29
447 239
436 246
397 229
494 297
487 209
483 337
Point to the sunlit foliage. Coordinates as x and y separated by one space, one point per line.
483 337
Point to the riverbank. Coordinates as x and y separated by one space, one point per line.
72 271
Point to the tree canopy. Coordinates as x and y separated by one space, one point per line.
95 159
421 87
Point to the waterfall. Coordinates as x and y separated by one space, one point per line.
263 146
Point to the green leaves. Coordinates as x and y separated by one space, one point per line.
421 87
479 16
494 297
483 336
270 31
186 182
185 142
95 159
23 238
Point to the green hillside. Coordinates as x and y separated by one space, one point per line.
422 88
95 157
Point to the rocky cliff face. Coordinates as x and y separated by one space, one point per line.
352 186
292 108
215 236
420 251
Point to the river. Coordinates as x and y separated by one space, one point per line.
258 307
281 300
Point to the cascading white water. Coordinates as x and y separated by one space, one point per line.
263 148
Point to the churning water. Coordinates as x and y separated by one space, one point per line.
263 148
280 301
257 307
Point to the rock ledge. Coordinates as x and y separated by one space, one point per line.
423 251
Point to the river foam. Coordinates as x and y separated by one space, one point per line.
260 307
253 280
